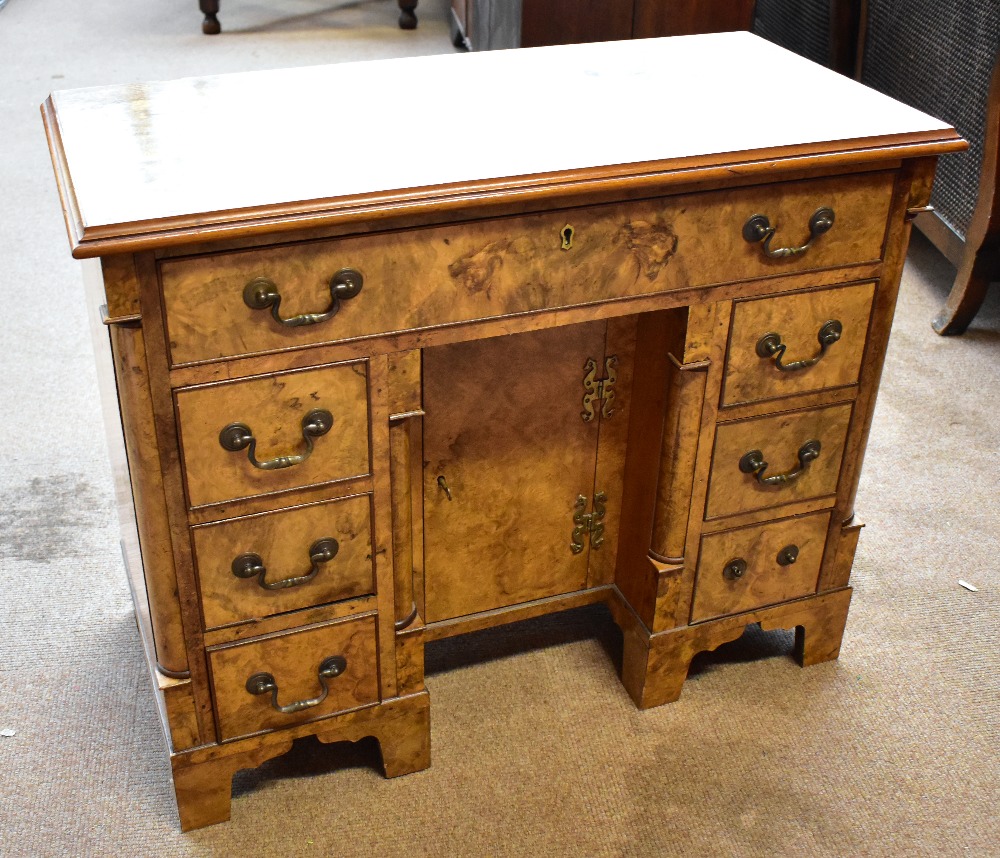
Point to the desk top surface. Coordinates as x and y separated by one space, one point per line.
198 158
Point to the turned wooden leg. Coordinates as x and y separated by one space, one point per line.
406 742
457 34
407 14
210 8
204 793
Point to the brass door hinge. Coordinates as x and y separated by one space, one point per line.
588 523
599 393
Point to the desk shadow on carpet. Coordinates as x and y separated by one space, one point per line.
309 757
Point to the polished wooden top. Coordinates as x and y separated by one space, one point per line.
202 158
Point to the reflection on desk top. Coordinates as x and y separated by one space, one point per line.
199 158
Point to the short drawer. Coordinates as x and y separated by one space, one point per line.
273 433
766 462
797 343
309 674
268 564
419 278
750 567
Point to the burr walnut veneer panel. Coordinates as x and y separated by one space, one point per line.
779 438
782 561
283 541
798 320
458 273
504 432
273 408
293 660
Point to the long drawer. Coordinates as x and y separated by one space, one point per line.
228 304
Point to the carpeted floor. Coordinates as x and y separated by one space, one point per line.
890 751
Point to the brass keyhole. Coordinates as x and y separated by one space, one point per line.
567 237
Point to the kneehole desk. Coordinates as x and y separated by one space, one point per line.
375 379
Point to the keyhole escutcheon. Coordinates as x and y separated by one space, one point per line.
567 237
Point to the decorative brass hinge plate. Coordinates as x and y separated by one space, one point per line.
599 394
588 523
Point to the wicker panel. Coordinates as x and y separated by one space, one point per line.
802 26
937 55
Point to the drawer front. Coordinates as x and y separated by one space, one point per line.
797 343
779 440
293 662
284 414
740 570
284 561
448 274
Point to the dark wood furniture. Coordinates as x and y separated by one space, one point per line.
358 404
957 78
210 25
493 24
826 33
977 257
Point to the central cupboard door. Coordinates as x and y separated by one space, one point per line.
507 455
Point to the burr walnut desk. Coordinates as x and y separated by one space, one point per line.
617 341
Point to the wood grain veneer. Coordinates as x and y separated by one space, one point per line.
416 279
779 438
504 432
273 407
798 319
283 541
766 581
464 358
293 659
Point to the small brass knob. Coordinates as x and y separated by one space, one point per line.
788 555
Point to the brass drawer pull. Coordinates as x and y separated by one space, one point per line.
261 293
758 229
753 463
261 683
771 346
248 565
239 436
734 569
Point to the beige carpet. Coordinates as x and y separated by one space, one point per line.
891 751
